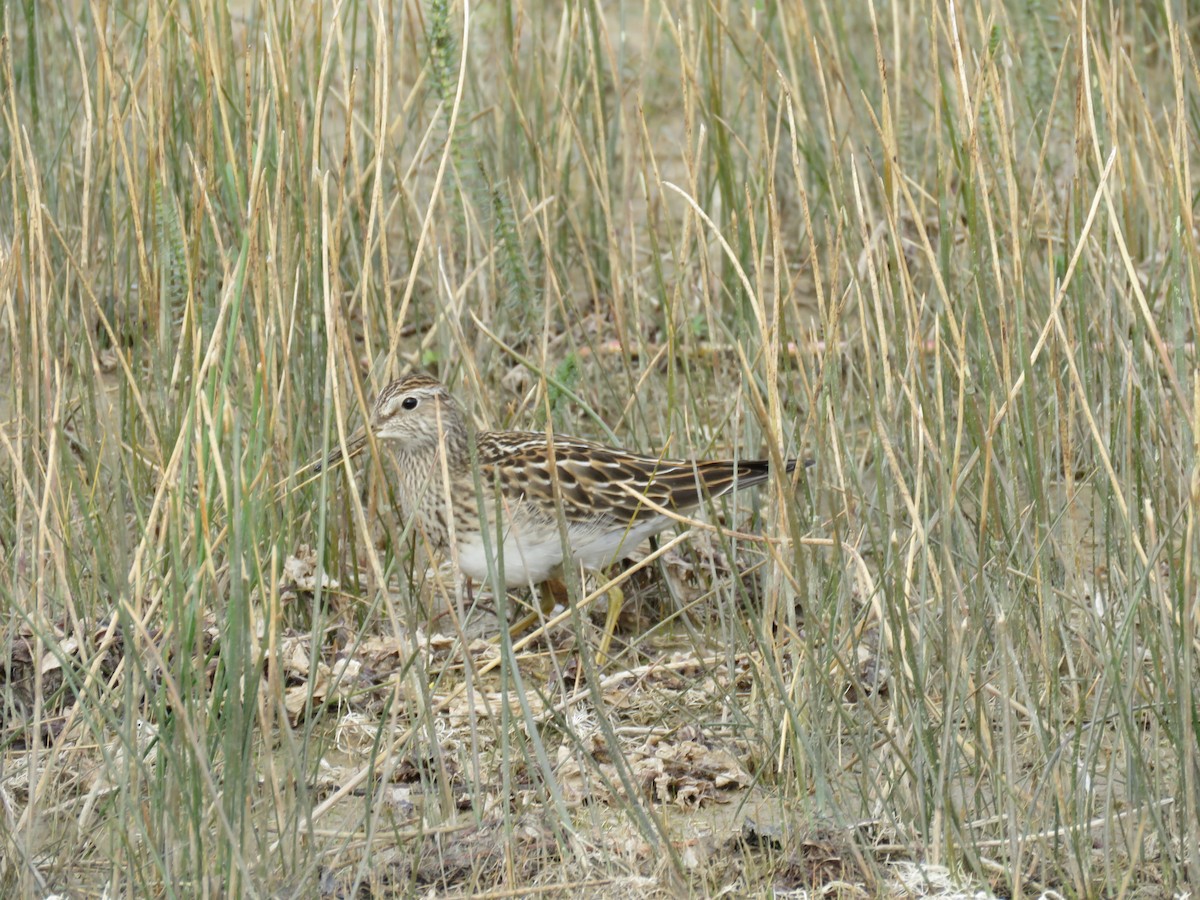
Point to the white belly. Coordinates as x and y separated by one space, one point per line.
525 561
532 553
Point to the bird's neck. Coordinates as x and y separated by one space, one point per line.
456 446
452 444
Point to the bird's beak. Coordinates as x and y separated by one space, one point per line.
354 446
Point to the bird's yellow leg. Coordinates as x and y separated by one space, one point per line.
616 600
553 592
549 593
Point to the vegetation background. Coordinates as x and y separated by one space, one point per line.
945 249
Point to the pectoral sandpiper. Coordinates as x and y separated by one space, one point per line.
611 500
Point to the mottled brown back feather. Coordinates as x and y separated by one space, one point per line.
593 478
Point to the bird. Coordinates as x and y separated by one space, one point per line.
611 500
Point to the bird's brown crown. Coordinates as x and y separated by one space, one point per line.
418 413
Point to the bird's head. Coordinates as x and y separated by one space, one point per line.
416 415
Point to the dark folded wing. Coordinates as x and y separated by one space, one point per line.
596 481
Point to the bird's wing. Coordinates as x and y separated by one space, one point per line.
595 481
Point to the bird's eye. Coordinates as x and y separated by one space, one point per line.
409 403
